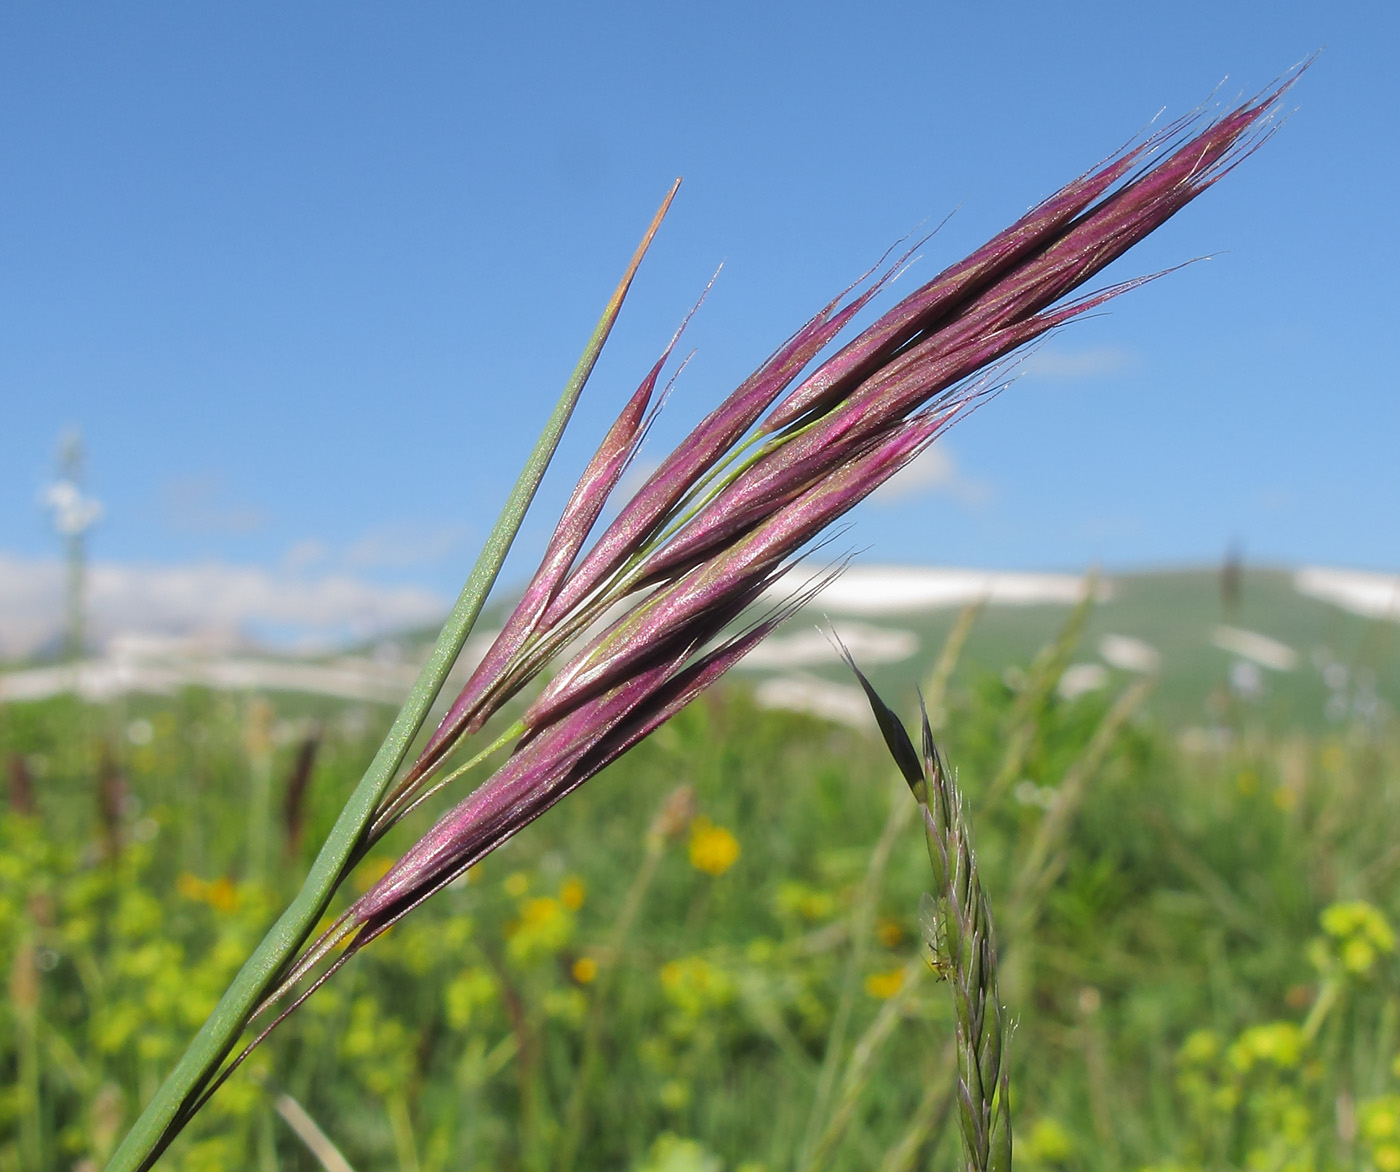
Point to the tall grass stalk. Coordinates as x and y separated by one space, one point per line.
1044 860
929 1116
961 939
306 1129
861 1065
824 1128
24 997
671 821
1042 678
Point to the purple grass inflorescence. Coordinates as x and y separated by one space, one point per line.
722 516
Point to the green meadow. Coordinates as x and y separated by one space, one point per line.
708 960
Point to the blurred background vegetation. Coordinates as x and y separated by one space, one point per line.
708 960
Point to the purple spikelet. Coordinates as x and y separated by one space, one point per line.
710 441
585 504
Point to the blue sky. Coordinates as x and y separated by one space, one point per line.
308 277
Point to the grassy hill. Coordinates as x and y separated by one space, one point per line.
1339 659
1343 664
1268 654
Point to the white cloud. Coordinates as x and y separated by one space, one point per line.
31 604
201 505
208 598
408 545
932 471
1067 365
302 555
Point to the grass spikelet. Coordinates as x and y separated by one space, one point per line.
962 943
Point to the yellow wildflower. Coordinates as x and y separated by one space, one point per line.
372 872
1226 1099
1049 1142
544 927
585 970
190 886
671 1153
219 894
885 985
469 991
674 1095
889 932
1358 956
713 849
1359 932
222 895
1200 1048
1380 1119
517 883
693 985
538 912
810 903
572 892
1279 1043
1359 918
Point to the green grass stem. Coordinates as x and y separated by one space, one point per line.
860 1068
1042 677
929 1118
306 1129
575 1110
1044 860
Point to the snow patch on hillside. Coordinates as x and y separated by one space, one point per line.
1374 596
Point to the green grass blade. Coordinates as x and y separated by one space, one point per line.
166 1112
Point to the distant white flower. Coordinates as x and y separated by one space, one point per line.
73 513
1246 679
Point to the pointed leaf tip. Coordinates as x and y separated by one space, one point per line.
620 293
891 728
933 759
